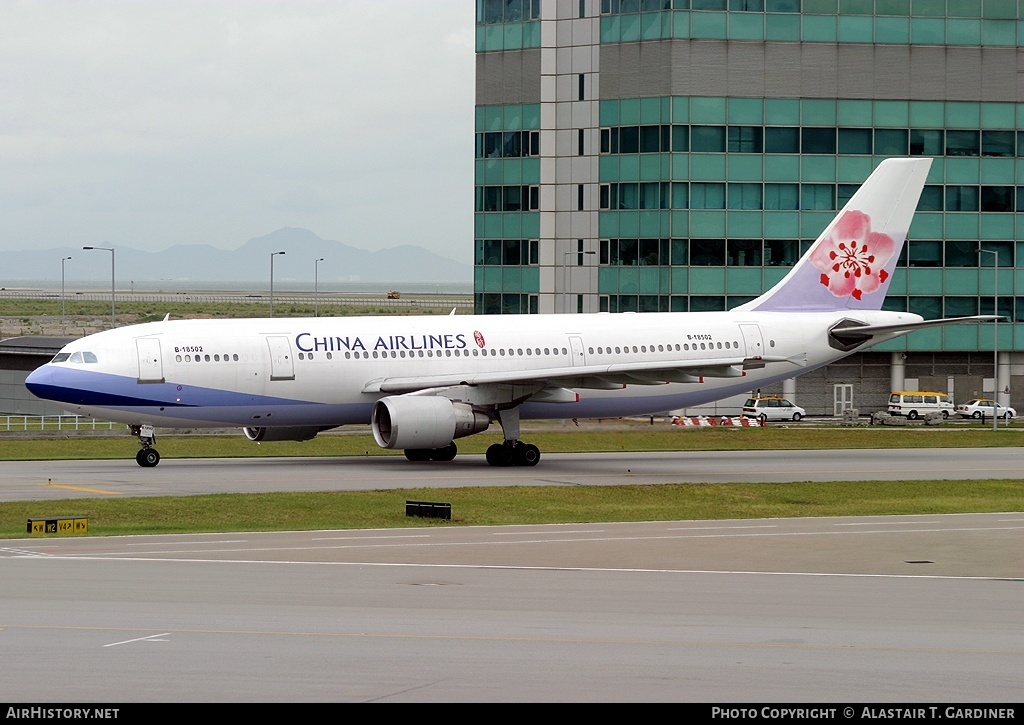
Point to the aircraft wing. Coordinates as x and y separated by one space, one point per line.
594 377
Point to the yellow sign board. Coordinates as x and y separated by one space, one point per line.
59 525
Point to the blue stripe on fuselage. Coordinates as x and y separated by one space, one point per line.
104 390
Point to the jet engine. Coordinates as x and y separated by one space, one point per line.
423 422
282 433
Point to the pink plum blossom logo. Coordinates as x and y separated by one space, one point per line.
852 257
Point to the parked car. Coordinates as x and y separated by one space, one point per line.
917 403
983 408
772 408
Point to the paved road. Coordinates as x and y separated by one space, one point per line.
43 480
904 609
882 609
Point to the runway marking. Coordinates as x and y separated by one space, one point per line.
83 489
534 533
886 523
24 552
546 540
717 528
178 543
498 638
372 538
150 638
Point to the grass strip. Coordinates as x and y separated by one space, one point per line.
506 505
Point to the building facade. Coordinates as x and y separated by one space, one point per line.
680 155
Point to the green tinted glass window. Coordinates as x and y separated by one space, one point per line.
781 140
997 198
782 196
855 141
961 254
707 196
997 143
781 252
818 140
744 196
891 141
925 253
746 139
817 196
963 142
931 199
707 138
707 252
962 198
927 142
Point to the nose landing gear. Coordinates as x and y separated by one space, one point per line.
148 456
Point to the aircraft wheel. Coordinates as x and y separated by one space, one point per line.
147 457
527 455
498 454
417 454
444 454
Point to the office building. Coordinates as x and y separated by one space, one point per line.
636 156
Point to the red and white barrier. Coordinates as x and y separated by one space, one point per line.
703 421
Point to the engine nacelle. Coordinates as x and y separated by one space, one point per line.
281 433
422 421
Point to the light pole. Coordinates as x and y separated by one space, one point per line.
995 334
113 323
316 287
63 324
272 255
565 279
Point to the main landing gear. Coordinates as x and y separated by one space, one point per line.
513 452
147 457
432 454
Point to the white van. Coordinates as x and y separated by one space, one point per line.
916 404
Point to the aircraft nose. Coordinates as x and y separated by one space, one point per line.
39 381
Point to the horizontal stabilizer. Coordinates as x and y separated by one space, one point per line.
863 332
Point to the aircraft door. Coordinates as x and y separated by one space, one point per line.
576 343
282 366
752 340
151 366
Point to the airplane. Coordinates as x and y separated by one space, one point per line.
424 381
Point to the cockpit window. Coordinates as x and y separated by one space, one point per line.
78 357
61 357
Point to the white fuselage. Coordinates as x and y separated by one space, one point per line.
330 371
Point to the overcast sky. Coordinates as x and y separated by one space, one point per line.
148 123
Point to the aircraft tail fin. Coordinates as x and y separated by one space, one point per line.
851 264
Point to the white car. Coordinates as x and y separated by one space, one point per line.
983 408
772 408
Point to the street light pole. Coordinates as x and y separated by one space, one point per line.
63 322
995 335
565 278
113 322
272 255
316 287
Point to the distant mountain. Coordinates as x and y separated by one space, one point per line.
249 263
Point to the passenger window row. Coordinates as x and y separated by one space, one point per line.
496 352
